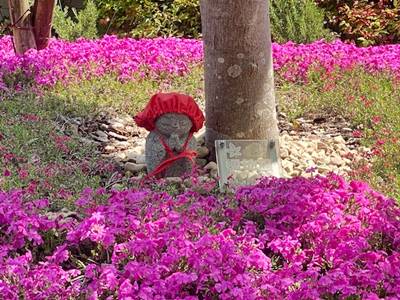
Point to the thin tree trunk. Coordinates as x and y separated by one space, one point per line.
24 38
43 16
239 85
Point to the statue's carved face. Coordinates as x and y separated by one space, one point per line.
173 123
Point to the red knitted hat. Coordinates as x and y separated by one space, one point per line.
162 103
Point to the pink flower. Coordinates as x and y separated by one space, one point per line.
279 239
23 174
376 119
357 133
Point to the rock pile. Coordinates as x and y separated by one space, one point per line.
321 126
322 144
301 155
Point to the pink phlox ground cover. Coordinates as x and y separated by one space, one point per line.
294 61
130 58
126 58
279 239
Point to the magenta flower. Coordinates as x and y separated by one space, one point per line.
129 59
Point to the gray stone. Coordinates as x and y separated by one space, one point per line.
211 166
174 130
109 148
100 136
322 160
116 120
118 127
339 140
302 144
173 180
325 149
77 121
322 146
306 156
343 152
122 145
74 129
135 157
131 155
313 137
126 119
104 126
134 168
140 143
346 169
88 141
202 152
139 149
284 153
120 156
130 129
337 161
295 173
214 173
117 136
324 169
140 159
288 166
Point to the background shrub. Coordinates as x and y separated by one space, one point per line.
300 21
364 22
303 21
3 28
145 18
295 20
80 24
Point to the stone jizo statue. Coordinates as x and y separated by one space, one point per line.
170 146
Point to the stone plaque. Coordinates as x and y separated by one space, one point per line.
242 162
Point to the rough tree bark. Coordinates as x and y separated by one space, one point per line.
43 16
239 85
31 26
21 19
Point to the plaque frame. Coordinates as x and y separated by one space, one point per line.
229 157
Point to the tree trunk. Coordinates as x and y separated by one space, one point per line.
23 35
239 85
43 15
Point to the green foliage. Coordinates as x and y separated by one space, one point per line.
296 20
372 104
37 140
3 29
4 25
41 156
371 98
151 18
300 21
82 24
90 97
364 22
